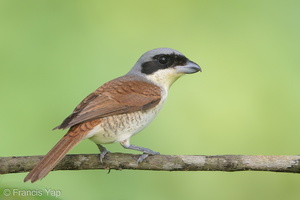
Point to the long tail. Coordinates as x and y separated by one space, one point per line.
58 152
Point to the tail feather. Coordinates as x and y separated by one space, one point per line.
56 154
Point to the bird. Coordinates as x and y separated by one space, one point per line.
120 108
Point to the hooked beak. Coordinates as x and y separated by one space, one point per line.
189 68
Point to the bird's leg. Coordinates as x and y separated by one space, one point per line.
146 152
103 151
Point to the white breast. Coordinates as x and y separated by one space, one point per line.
118 128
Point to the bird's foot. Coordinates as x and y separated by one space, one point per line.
146 152
145 155
103 151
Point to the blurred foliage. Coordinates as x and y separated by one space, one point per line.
246 100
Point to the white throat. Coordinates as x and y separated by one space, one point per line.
164 78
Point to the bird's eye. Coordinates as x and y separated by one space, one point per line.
163 60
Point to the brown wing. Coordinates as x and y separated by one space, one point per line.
118 96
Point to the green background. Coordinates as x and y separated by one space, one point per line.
246 100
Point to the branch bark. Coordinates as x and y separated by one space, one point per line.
119 161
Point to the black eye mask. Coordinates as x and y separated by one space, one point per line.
163 61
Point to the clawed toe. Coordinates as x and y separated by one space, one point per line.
145 155
102 155
142 157
103 151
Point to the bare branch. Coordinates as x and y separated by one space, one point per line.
120 161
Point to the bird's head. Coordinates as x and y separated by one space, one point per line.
163 66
